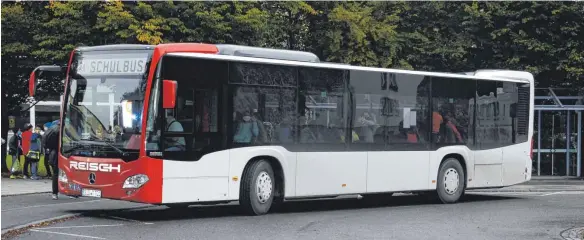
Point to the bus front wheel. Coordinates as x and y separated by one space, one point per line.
451 181
257 188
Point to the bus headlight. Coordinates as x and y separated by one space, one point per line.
135 181
63 176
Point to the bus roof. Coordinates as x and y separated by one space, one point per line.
116 47
506 74
268 53
223 49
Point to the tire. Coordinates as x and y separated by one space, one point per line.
258 176
451 181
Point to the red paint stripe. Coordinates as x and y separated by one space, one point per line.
64 98
31 83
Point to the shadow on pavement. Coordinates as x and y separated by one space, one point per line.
162 213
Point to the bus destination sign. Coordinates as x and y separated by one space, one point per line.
111 66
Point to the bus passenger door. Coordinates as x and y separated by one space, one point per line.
488 152
195 166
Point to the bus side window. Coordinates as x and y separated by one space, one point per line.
264 104
452 104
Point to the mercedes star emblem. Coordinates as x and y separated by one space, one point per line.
92 178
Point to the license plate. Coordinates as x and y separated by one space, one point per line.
91 193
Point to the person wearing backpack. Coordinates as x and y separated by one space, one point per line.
33 155
15 151
50 142
25 136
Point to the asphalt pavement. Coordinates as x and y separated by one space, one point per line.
489 215
19 210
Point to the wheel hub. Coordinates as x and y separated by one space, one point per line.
264 187
451 179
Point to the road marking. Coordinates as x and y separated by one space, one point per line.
130 220
67 234
87 226
549 194
564 193
574 192
44 205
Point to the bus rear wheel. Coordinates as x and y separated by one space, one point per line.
451 181
257 188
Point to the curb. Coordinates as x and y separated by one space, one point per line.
14 231
21 194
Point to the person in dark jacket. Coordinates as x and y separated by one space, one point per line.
15 151
47 127
52 144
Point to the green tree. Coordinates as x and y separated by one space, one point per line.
287 24
361 33
542 38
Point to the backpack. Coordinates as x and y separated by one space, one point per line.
34 152
51 138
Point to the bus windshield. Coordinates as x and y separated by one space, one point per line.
104 102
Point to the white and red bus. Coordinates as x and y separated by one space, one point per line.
189 123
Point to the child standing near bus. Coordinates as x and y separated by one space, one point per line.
34 152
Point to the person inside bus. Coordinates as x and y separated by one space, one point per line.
246 130
341 133
172 125
368 123
237 117
410 134
329 133
285 130
452 133
437 122
262 137
309 132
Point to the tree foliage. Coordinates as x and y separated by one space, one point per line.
544 38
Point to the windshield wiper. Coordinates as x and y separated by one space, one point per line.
73 148
93 140
119 150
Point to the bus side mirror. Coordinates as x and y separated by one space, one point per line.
33 80
169 94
